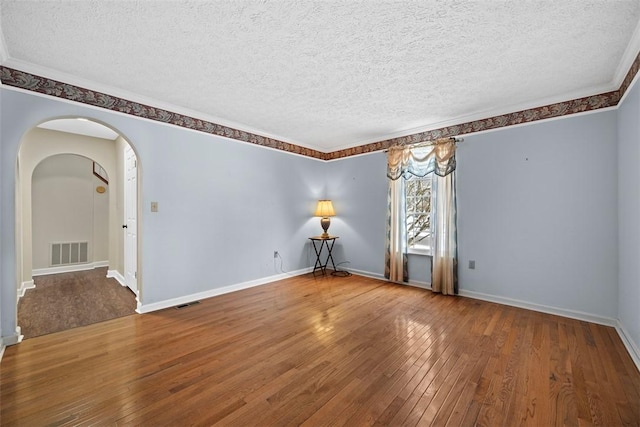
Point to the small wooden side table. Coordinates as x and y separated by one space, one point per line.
327 242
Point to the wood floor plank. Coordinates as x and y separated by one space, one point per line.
378 399
439 355
462 397
501 388
474 405
325 350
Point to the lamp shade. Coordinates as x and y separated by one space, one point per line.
325 209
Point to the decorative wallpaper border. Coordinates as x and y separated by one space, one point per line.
525 116
23 80
580 105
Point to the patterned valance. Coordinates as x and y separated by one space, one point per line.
419 160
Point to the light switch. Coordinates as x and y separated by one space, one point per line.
154 206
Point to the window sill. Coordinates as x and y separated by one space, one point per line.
423 252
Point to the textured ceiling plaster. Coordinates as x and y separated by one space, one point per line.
331 74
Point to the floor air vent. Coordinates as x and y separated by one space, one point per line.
69 253
178 307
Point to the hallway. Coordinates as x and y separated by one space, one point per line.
69 300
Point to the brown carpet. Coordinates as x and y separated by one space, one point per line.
68 300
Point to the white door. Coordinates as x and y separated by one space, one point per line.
131 220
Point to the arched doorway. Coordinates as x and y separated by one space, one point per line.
69 215
104 149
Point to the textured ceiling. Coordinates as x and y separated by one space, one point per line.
329 74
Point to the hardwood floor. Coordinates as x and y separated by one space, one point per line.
325 351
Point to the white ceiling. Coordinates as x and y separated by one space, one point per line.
329 74
80 127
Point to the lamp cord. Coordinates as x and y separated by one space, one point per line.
341 273
336 272
281 265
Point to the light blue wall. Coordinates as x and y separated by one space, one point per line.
537 211
8 281
1 225
358 188
224 206
629 214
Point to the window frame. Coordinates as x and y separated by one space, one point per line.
426 250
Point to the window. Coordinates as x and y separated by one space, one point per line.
418 192
421 210
100 173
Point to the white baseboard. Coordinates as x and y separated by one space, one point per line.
366 274
147 308
13 339
419 284
69 268
24 286
115 274
414 283
571 314
2 347
630 345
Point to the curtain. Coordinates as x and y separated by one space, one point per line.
422 159
444 268
419 160
396 266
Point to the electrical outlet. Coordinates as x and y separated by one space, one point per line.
154 206
276 254
472 265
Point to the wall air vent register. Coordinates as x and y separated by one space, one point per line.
69 253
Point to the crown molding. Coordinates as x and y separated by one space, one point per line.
555 110
628 58
629 81
47 86
134 97
4 52
483 115
475 123
545 112
320 157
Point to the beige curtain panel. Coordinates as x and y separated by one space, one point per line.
422 159
419 160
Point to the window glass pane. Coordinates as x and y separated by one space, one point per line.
418 212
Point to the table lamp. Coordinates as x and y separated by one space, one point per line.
325 210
